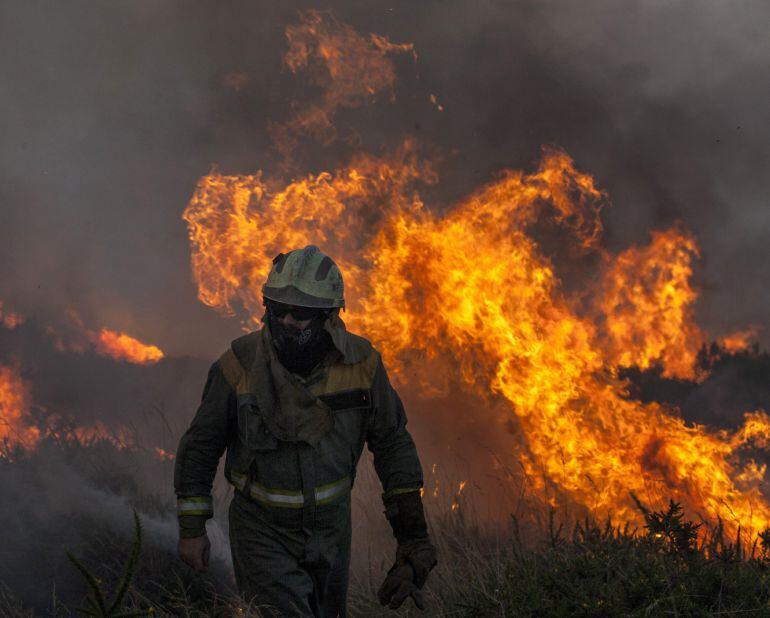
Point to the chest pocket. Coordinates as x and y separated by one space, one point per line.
348 400
351 411
252 431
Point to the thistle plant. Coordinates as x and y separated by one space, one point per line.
96 601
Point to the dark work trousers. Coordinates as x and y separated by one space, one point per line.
285 567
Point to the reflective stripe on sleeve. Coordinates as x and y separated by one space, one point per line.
399 490
196 505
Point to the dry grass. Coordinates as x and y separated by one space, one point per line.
487 567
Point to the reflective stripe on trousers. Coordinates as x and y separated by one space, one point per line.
288 498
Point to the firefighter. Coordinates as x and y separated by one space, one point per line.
293 404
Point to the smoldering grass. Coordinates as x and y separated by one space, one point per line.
539 561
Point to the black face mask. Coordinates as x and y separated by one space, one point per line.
300 350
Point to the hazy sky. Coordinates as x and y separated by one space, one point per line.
111 111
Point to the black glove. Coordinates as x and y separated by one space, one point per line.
414 560
415 556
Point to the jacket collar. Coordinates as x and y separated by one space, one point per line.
352 348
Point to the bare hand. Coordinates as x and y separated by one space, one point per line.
195 552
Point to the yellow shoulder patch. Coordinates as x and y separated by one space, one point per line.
233 371
342 377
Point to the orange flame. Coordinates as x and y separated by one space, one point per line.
64 431
739 340
237 224
163 454
106 342
458 494
10 319
122 347
755 430
18 430
646 302
14 408
350 69
469 297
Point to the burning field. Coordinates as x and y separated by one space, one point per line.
468 299
549 373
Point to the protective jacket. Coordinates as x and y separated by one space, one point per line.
293 445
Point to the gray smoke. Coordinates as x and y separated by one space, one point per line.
111 112
86 388
57 501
